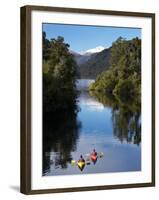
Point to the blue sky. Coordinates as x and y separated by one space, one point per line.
81 38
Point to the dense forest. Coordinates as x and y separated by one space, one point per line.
123 78
59 76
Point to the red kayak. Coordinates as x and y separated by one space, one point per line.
93 157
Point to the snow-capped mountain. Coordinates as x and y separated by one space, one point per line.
80 58
94 50
83 57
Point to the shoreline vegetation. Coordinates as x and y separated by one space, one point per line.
59 76
59 99
123 78
118 86
119 83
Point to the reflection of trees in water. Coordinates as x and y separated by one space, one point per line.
125 117
126 126
60 134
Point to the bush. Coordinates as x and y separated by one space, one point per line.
124 90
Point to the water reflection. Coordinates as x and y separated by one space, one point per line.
112 128
126 118
60 135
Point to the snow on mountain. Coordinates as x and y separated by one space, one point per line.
83 57
80 59
89 51
94 50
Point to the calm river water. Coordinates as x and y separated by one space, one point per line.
95 127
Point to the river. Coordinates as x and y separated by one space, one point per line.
98 127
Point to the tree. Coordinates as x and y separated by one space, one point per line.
59 90
123 78
46 47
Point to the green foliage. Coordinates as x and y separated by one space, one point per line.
123 78
46 47
59 73
45 67
124 90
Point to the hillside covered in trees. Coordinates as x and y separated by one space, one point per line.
123 78
97 63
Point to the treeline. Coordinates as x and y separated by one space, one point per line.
123 78
59 74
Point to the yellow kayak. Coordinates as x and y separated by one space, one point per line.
81 164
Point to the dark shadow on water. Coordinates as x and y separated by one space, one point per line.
60 135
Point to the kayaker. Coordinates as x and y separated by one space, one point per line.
94 153
81 159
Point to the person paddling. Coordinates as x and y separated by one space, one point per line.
81 163
94 153
81 159
94 156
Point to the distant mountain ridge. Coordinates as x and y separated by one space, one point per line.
81 59
92 62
